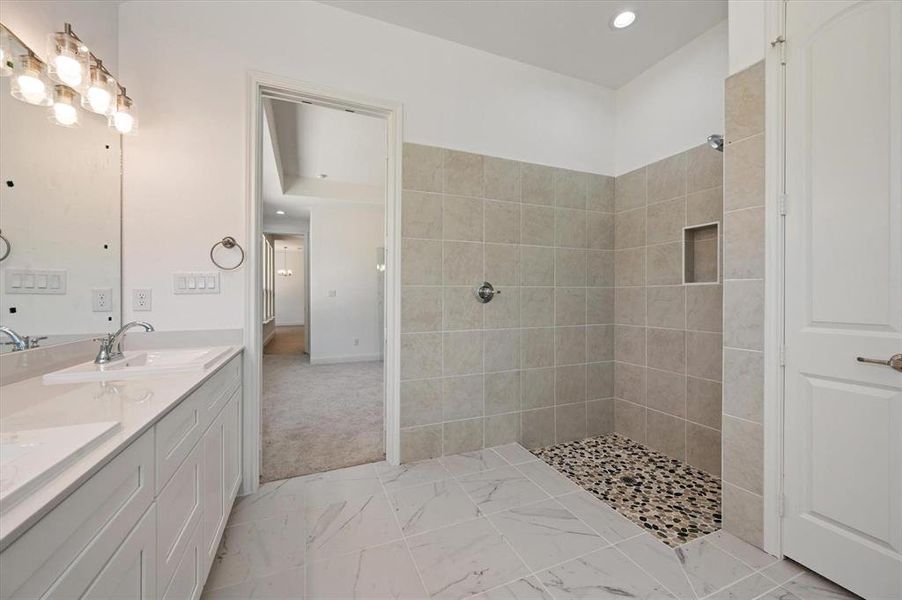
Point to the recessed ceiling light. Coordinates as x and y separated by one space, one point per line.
623 19
280 212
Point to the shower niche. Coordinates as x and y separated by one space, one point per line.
701 253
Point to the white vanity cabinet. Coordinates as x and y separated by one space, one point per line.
148 523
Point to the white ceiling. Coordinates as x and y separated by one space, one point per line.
571 37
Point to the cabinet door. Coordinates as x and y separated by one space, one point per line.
215 513
188 577
179 507
232 479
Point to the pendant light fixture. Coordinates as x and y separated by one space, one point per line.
285 271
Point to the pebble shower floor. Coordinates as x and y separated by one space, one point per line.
672 500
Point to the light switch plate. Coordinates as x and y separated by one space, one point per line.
142 299
194 282
35 281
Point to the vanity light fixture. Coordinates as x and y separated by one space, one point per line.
623 19
77 71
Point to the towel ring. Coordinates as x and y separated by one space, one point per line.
228 242
6 250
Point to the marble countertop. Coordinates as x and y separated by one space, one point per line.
136 404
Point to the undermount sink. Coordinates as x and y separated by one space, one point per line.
141 364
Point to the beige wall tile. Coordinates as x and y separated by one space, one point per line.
665 264
570 267
629 267
536 306
502 429
703 355
743 303
421 402
502 222
601 193
666 220
537 184
570 345
462 397
705 207
462 436
571 188
421 262
421 309
743 389
421 215
600 268
464 174
536 388
420 443
704 307
502 349
666 306
667 349
600 230
502 264
743 514
599 343
703 448
667 178
629 344
502 392
570 384
743 454
570 306
421 355
629 229
536 265
629 382
502 179
462 263
570 422
503 311
666 392
704 168
703 402
744 105
629 420
743 251
744 174
629 190
462 353
600 380
537 225
667 434
600 417
537 347
462 218
629 305
599 305
461 309
537 427
422 168
569 228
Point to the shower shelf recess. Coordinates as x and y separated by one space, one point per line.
701 253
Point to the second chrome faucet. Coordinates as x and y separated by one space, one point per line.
111 344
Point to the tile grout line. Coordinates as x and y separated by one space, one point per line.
394 513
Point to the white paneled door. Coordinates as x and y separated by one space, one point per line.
843 417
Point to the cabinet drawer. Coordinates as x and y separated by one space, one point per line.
218 389
86 528
188 577
179 512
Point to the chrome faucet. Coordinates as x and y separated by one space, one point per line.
18 342
111 344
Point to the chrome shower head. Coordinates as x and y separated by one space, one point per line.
715 140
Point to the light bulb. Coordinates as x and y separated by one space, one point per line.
99 100
623 19
123 122
68 70
65 114
32 89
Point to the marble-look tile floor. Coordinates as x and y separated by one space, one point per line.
494 524
672 500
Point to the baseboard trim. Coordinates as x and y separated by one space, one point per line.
327 360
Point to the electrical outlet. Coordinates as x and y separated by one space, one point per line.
141 299
102 300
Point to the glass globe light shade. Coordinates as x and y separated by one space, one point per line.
30 83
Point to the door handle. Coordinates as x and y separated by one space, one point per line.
894 362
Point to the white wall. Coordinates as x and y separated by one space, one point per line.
748 32
187 63
342 256
674 105
290 293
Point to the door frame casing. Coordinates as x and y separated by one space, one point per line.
259 83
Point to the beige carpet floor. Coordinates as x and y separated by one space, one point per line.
319 417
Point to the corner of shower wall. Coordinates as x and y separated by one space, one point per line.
534 365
